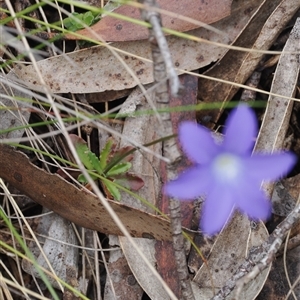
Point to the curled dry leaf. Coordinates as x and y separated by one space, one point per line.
278 113
277 117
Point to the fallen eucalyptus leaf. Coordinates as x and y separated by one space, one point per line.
96 69
277 117
265 25
57 248
115 30
228 253
278 112
78 206
15 112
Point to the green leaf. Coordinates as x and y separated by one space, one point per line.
87 157
76 21
83 180
119 169
122 154
88 18
113 190
95 162
72 24
105 153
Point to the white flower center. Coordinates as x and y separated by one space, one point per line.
227 167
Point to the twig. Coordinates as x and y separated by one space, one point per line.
259 257
153 17
162 64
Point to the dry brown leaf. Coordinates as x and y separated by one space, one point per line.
237 66
123 282
115 30
55 193
227 254
96 69
15 113
57 248
277 117
150 284
142 130
274 25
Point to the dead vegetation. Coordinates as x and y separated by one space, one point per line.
104 82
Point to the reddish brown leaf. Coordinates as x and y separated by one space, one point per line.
113 29
79 206
130 181
119 155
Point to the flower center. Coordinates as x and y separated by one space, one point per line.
227 167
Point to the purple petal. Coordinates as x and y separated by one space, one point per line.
192 183
252 201
217 209
240 130
197 142
269 167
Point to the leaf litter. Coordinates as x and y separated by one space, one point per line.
82 76
217 258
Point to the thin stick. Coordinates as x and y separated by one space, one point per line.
162 67
260 257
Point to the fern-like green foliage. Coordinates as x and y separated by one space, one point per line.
112 164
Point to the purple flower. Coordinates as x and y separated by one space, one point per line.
226 173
